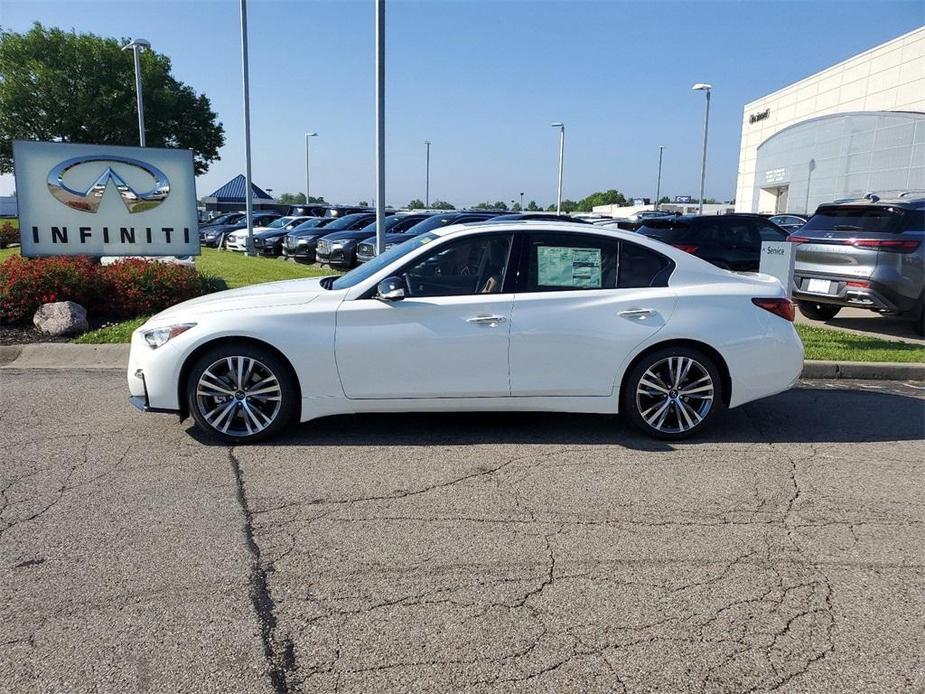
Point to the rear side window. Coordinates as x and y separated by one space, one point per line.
668 232
769 232
563 262
852 219
641 267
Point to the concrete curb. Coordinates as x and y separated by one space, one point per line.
870 370
64 355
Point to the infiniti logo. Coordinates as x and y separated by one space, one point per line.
89 200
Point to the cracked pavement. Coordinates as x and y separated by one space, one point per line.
783 551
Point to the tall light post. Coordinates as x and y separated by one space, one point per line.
658 182
706 88
248 190
307 135
561 127
137 45
380 126
427 175
521 202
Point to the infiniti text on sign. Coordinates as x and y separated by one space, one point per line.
100 200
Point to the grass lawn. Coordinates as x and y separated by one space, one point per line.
114 333
239 271
838 345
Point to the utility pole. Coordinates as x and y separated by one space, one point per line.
380 126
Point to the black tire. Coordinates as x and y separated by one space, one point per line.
684 415
269 397
815 311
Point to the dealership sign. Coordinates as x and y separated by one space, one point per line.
103 200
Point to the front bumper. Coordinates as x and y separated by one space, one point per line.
142 402
340 257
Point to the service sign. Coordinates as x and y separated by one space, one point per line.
777 260
100 200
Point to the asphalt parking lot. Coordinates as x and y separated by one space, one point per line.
486 553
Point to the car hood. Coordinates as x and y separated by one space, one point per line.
389 238
355 235
255 296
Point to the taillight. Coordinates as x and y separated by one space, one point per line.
686 247
897 245
858 284
779 307
793 238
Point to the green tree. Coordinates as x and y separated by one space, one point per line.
362 203
292 198
416 204
64 86
516 207
533 207
662 200
312 200
441 205
497 205
568 206
608 197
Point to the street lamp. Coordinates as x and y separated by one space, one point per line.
706 88
137 45
245 79
561 127
379 6
307 135
427 176
658 183
521 202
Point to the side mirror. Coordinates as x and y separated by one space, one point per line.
391 289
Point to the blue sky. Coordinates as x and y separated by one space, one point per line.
482 81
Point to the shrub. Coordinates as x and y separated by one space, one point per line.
124 289
8 234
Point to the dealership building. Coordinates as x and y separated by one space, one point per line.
854 128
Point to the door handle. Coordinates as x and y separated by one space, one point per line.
490 321
637 313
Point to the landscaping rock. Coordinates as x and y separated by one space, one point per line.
61 318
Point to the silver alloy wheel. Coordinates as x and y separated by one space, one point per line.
238 396
675 394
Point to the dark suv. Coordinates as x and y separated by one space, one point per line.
867 254
732 241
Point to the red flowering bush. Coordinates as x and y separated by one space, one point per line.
124 289
137 287
8 234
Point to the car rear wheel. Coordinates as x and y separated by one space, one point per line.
239 393
815 311
673 393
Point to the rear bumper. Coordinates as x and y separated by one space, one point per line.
876 296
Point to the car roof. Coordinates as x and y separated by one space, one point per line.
545 225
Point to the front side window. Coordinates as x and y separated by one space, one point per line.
562 262
472 265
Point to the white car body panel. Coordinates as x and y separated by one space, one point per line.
354 354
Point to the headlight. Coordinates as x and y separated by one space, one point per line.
158 337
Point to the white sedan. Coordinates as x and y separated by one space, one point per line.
521 316
237 239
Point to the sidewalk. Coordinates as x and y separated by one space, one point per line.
63 355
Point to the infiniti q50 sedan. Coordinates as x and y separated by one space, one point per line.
542 315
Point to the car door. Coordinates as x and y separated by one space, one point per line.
583 303
449 336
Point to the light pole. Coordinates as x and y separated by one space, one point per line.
706 88
307 135
521 202
380 126
561 127
427 176
137 45
658 183
248 190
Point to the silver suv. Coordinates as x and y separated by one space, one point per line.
867 254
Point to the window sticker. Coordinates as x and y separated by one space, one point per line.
562 266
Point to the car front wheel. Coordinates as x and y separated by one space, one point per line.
673 393
815 311
239 393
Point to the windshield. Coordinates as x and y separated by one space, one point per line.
373 266
388 224
312 223
230 218
279 223
431 223
346 222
